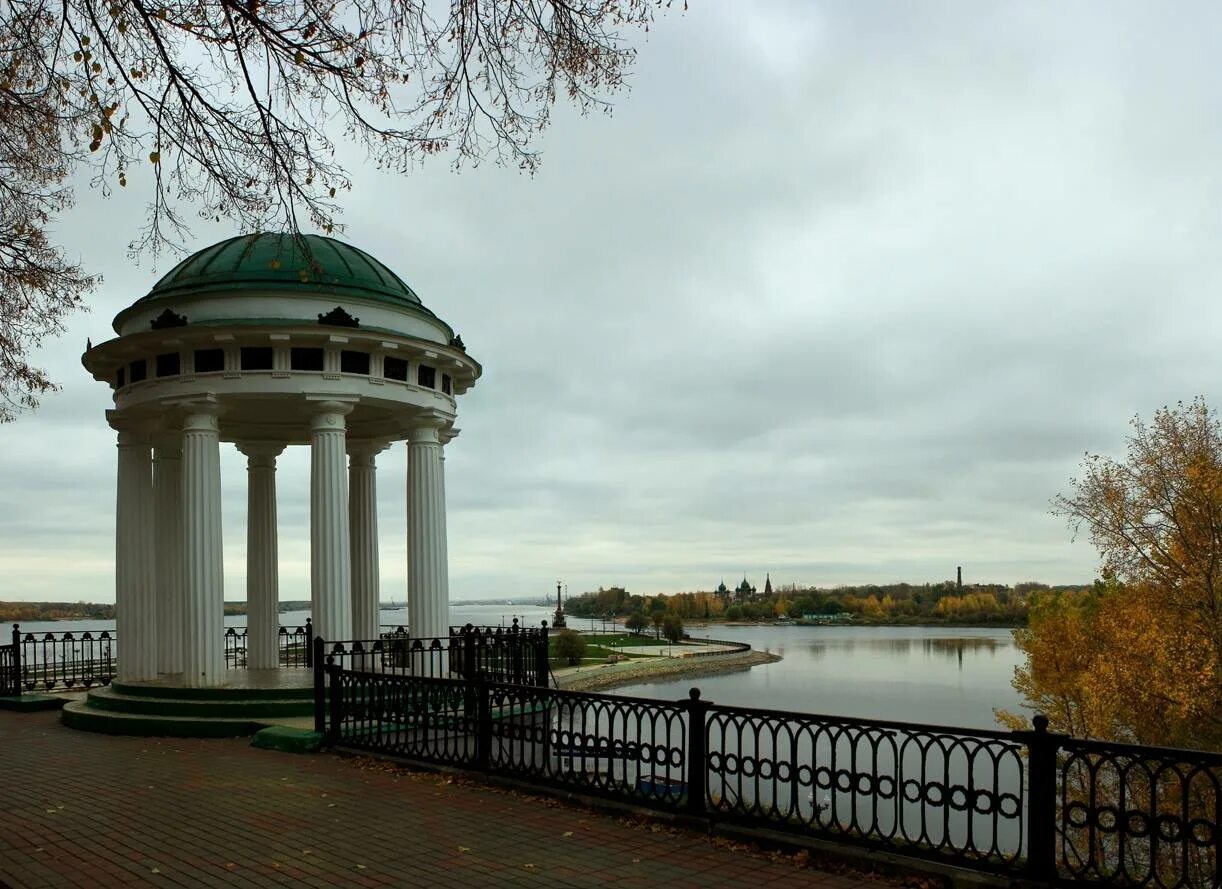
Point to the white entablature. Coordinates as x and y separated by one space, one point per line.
268 341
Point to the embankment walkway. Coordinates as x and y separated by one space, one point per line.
600 677
88 810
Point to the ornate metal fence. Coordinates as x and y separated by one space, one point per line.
1024 804
418 717
10 666
626 748
68 660
49 661
293 644
504 654
1140 816
938 792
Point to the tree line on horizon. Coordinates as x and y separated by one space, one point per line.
938 603
14 612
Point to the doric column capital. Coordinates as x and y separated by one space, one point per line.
361 452
429 427
205 420
198 414
131 431
166 450
328 412
261 454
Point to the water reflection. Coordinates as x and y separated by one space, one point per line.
951 676
902 647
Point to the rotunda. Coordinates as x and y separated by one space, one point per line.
266 341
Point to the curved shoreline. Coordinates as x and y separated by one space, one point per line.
608 676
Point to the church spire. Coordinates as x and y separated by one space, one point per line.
767 584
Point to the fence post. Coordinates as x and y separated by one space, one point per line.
697 752
16 685
336 702
320 685
483 723
468 652
309 652
515 653
1041 800
541 653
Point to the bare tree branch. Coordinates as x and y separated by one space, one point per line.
235 104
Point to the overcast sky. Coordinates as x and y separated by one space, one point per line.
841 292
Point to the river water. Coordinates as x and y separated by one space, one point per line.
943 675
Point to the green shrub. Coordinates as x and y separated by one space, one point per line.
571 647
672 628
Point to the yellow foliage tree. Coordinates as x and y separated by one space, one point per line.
1140 657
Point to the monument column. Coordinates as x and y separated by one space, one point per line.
203 562
428 585
363 527
330 547
167 494
135 615
262 556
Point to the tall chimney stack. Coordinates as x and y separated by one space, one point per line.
959 578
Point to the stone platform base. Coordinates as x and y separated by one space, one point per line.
28 703
287 739
254 700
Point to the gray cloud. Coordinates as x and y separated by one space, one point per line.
841 291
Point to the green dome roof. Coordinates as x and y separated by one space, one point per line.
285 262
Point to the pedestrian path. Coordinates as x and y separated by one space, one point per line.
89 810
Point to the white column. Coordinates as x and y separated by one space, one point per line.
363 527
167 494
262 557
203 563
428 585
330 553
135 614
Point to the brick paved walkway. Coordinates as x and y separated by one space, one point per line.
79 809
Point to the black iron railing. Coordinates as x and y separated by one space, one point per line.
81 659
505 654
10 666
1024 804
69 660
946 793
715 646
1139 816
421 718
293 645
632 749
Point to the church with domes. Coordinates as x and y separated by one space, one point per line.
745 591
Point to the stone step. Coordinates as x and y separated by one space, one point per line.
270 705
79 715
226 693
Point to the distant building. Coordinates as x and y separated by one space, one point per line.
745 591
